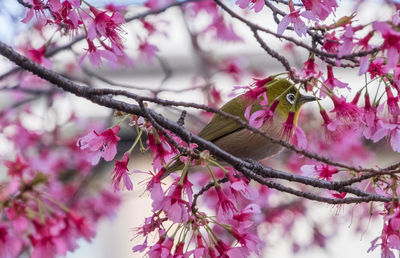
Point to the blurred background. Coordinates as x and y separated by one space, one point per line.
177 65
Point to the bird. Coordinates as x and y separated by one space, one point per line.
232 137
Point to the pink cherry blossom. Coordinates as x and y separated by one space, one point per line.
226 207
95 54
147 51
39 56
321 170
16 168
377 68
260 117
331 43
101 145
310 70
120 173
106 26
391 42
392 103
222 30
294 18
347 38
392 131
321 8
10 245
174 206
333 82
37 9
257 5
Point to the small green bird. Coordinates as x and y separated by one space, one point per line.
230 136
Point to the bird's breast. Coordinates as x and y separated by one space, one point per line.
248 145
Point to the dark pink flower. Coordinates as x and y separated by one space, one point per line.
106 26
377 68
17 167
321 170
347 112
64 13
161 148
210 7
288 127
39 56
120 173
331 43
101 145
299 138
310 70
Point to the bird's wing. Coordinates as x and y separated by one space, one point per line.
219 125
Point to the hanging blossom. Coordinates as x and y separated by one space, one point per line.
222 30
392 131
310 70
100 145
120 173
257 5
294 18
320 8
95 55
377 68
391 42
107 26
292 132
332 81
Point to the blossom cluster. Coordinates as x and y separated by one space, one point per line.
43 202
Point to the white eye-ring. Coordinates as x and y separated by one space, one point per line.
290 97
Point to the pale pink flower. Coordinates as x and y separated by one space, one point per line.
95 54
257 5
147 51
101 145
391 42
294 18
225 207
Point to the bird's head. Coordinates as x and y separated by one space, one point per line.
289 97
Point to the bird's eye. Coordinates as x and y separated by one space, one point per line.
290 97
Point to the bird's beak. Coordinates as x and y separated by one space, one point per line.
305 99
